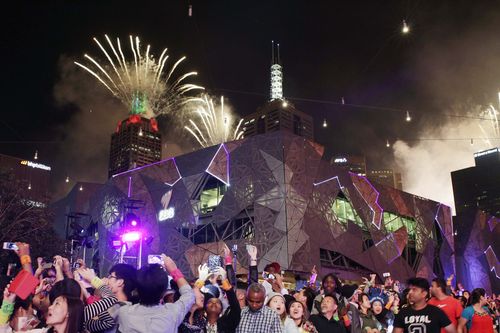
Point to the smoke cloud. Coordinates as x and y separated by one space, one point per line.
84 150
427 163
456 74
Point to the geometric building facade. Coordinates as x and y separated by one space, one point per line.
275 191
478 250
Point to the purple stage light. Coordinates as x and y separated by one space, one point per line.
133 223
132 236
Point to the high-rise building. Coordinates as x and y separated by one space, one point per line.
278 113
478 187
352 163
32 177
386 177
136 142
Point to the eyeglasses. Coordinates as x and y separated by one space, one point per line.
112 277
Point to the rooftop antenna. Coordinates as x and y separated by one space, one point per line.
276 75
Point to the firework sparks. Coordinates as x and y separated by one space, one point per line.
491 115
213 126
142 84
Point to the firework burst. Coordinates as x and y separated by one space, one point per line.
145 84
212 126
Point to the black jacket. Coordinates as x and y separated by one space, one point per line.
228 322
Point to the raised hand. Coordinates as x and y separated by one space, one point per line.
227 251
219 271
87 274
39 268
81 263
42 286
8 296
203 272
66 265
168 263
372 278
22 249
58 262
252 251
39 261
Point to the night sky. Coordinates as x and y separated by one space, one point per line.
329 50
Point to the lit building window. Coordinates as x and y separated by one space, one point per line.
344 211
212 195
393 222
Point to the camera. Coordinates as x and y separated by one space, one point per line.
76 265
267 275
10 246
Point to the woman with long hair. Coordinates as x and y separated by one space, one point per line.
65 314
296 312
476 316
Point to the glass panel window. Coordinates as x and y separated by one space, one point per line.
212 195
344 212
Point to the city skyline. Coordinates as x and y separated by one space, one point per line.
335 58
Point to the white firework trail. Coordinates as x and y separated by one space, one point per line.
212 127
491 115
143 78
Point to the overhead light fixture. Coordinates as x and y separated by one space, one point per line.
67 179
140 131
36 155
81 188
387 144
284 104
29 186
324 123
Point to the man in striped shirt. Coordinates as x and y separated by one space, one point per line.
118 287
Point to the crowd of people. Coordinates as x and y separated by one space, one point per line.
158 298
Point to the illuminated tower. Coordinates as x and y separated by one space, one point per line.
276 74
278 114
136 141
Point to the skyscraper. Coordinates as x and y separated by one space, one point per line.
478 187
352 163
278 113
32 177
136 141
386 177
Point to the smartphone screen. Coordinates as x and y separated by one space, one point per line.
154 259
10 246
213 262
